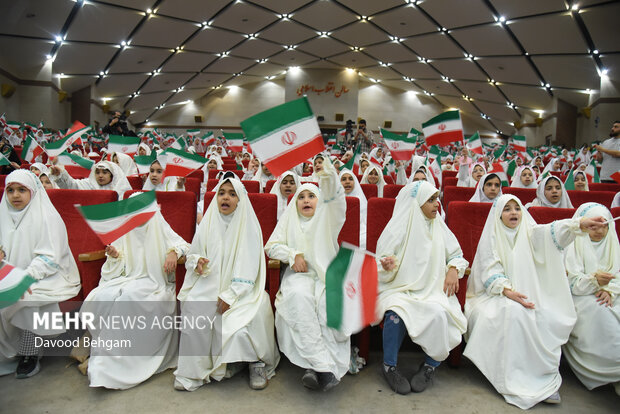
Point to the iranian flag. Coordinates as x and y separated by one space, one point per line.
351 290
331 140
193 132
31 149
518 143
342 132
414 133
14 282
234 140
336 150
443 129
504 170
498 153
176 143
616 177
4 160
67 158
180 163
13 125
474 144
110 221
401 148
208 139
569 183
285 135
125 145
144 163
592 173
74 135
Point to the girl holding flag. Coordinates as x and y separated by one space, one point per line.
105 175
352 188
306 240
154 180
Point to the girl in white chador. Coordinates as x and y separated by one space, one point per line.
374 175
105 175
286 185
524 177
352 188
593 267
226 263
519 307
137 279
489 187
551 193
469 177
155 182
420 263
306 238
262 176
33 237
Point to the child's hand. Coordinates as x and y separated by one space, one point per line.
222 306
55 170
170 264
603 278
180 182
201 265
300 265
111 251
592 223
603 298
2 256
518 297
451 284
388 263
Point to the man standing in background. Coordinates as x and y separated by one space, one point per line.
609 154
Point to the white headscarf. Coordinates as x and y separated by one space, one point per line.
359 194
541 200
479 195
549 166
469 181
119 182
379 184
261 177
126 163
585 177
282 200
616 201
145 147
516 178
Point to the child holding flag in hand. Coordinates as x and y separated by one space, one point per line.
306 240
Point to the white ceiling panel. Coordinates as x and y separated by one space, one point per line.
370 7
353 60
165 82
323 64
287 32
438 87
602 23
528 96
323 47
562 34
612 64
511 9
93 22
360 34
265 69
256 49
139 59
134 4
120 85
416 70
197 11
75 83
163 32
380 73
497 111
20 64
147 100
83 58
476 40
456 13
244 18
280 6
480 90
207 80
568 71
390 53
214 40
188 62
324 16
459 69
577 98
514 69
404 22
187 94
39 18
434 45
230 65
292 58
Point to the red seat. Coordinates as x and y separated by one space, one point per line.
350 232
452 193
449 181
268 185
250 186
391 190
578 198
446 174
526 195
178 209
193 184
77 172
81 238
213 173
604 187
370 190
556 173
2 179
615 212
544 215
197 174
135 182
388 179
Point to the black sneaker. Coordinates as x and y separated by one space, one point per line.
328 381
422 378
395 379
310 380
27 367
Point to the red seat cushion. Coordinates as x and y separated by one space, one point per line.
446 174
370 190
193 184
452 193
268 185
544 215
388 179
604 187
391 190
526 195
350 232
447 181
379 212
81 238
197 174
250 186
135 182
580 197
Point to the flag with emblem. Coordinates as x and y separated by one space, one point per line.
234 140
180 163
351 290
569 183
143 162
31 149
193 132
125 145
474 144
401 148
336 150
331 140
284 136
72 136
504 171
67 158
208 138
110 221
342 132
443 129
592 173
518 143
14 282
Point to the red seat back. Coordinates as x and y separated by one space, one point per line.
81 238
269 185
452 193
379 212
2 179
250 186
391 190
449 181
370 190
135 182
197 174
193 184
544 215
446 174
388 179
466 220
604 187
526 195
580 197
615 212
556 173
350 232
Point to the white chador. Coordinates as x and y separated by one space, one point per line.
119 181
424 249
282 199
593 349
135 284
516 178
380 184
358 193
126 163
464 174
542 201
301 320
516 348
34 239
236 273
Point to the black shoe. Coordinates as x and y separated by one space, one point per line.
422 378
27 367
328 380
310 380
395 379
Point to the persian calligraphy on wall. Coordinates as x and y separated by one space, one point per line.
329 88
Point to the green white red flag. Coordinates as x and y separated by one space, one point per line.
72 136
125 145
110 221
474 144
67 158
234 140
180 163
443 129
4 160
401 148
351 290
592 173
143 162
285 135
518 143
14 282
193 132
31 149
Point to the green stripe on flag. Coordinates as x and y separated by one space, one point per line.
15 292
334 276
396 137
117 208
444 117
277 118
186 155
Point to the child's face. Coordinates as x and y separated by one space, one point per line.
526 177
115 159
539 162
266 170
45 181
519 162
306 203
536 169
373 177
288 186
492 187
347 183
379 153
431 207
511 214
155 173
556 165
553 190
227 198
246 156
254 164
598 234
35 170
219 150
19 196
212 165
477 173
103 176
141 151
318 165
363 166
580 182
419 176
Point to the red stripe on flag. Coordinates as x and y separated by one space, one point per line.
616 176
288 159
444 138
173 170
369 289
6 269
131 224
401 155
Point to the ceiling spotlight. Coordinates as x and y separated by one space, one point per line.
290 47
284 16
547 85
149 11
502 19
356 49
261 60
575 7
251 36
205 24
595 51
58 39
604 72
363 18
